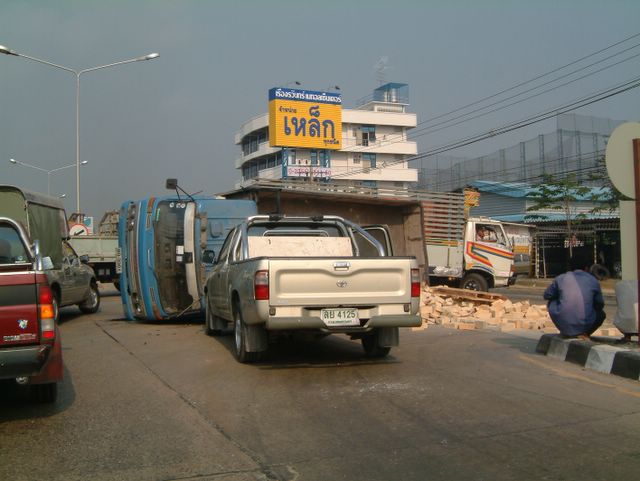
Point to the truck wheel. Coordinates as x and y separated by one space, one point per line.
240 336
475 282
210 321
372 348
92 303
46 393
55 303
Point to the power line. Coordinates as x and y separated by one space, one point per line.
432 129
538 77
593 98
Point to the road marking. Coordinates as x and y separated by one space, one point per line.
567 374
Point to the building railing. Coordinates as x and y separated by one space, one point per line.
345 188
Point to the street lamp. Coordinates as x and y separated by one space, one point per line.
49 172
77 73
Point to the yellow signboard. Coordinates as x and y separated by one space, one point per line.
304 118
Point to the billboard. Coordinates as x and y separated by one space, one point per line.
305 118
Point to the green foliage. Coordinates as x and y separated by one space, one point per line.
562 193
557 193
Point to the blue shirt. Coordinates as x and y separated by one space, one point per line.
573 298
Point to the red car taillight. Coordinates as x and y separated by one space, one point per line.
47 320
415 282
261 286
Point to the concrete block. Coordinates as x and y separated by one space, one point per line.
544 343
626 364
558 348
601 358
578 351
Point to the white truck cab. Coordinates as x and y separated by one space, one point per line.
478 257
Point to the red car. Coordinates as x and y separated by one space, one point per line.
30 349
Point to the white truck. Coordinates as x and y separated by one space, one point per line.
322 275
473 253
101 249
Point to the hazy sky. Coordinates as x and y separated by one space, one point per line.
176 116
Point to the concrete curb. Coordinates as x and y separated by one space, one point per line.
598 356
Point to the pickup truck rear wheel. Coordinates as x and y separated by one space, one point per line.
372 347
55 304
92 303
240 337
46 393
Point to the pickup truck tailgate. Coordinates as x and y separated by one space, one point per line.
335 282
18 308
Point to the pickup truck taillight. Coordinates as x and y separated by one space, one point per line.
47 321
261 286
415 282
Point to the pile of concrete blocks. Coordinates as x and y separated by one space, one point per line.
469 310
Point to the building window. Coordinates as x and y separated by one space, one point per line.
369 160
368 133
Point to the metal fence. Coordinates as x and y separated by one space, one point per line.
577 146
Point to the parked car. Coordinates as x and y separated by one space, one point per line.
43 219
30 349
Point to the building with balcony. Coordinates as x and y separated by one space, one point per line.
374 152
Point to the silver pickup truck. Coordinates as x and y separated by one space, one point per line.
321 274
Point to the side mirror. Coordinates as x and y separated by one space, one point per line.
171 184
209 256
84 258
47 263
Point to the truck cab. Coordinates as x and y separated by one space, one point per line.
167 245
488 255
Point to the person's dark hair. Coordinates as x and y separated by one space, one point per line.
579 261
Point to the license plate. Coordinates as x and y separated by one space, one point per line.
344 316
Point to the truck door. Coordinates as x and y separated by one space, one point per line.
220 276
491 250
191 251
74 281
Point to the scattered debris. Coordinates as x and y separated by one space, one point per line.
469 310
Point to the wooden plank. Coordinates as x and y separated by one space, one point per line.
478 297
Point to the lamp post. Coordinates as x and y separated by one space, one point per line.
49 172
77 73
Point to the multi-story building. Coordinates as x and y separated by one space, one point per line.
374 151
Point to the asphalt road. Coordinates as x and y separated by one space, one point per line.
166 402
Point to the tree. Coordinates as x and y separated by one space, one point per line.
559 193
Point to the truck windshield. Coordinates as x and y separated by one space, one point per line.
12 250
170 256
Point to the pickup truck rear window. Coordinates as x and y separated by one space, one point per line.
12 250
291 229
